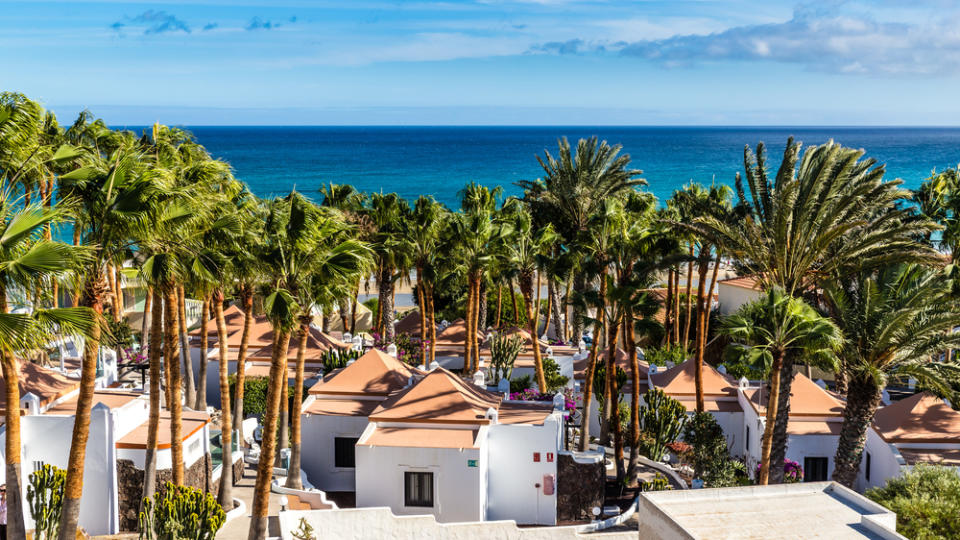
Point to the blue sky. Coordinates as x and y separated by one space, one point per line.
489 62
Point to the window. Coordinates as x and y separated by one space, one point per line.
867 472
814 469
344 452
418 489
748 438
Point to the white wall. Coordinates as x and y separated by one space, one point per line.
885 462
317 441
193 449
513 475
731 298
457 490
732 424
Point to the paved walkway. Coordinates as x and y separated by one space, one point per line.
243 490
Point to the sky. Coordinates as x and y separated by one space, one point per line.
500 62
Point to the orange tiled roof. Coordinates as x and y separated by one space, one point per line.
318 343
422 437
744 282
680 381
342 407
192 421
806 399
440 397
921 417
110 398
47 384
375 373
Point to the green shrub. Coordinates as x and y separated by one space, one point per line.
255 395
709 454
503 354
371 304
180 512
659 356
662 420
521 383
926 500
45 498
551 373
659 483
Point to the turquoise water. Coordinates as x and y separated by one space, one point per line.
440 160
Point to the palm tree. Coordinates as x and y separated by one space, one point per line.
26 260
896 322
825 215
424 234
769 330
574 186
115 194
696 200
387 215
525 248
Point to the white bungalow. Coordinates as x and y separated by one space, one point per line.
813 430
919 429
735 292
445 447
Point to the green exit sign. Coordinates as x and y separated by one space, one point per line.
471 463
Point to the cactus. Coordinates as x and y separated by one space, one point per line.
336 359
304 531
662 420
180 512
45 498
659 483
503 354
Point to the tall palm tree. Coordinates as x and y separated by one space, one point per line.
769 330
696 200
826 214
427 218
896 323
26 260
575 184
525 249
387 215
115 195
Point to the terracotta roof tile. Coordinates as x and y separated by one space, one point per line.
528 412
192 421
110 398
409 324
233 316
374 373
343 407
938 456
47 384
455 334
318 343
440 397
921 417
680 381
622 359
744 282
806 399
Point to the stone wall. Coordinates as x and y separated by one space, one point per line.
130 485
580 487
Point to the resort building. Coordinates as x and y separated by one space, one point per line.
428 442
735 292
116 449
812 433
919 429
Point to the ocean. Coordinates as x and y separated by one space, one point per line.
440 160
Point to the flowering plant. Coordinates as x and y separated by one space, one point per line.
530 394
134 357
792 471
409 348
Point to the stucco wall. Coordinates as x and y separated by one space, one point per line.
731 298
457 491
317 442
514 475
194 448
884 462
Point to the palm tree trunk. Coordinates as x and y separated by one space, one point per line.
246 300
385 304
261 490
558 331
701 337
191 389
579 286
283 437
566 310
863 400
779 452
94 289
433 325
526 289
201 404
772 406
225 495
76 293
145 324
480 307
689 314
713 285
499 304
11 378
153 422
481 323
676 307
353 310
612 401
549 311
468 346
293 472
173 366
115 295
121 312
592 364
634 396
422 305
516 309
668 310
